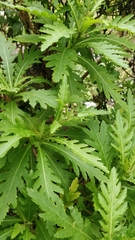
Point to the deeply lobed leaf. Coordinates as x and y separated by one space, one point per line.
11 180
55 212
112 205
60 62
103 79
7 53
41 96
47 182
98 138
53 33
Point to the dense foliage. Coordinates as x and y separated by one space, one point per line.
67 171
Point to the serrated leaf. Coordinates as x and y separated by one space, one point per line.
56 213
95 6
121 41
45 15
98 138
25 207
28 38
41 96
62 97
78 162
83 113
9 142
123 23
104 80
18 128
17 229
53 33
41 231
29 58
10 220
82 151
12 179
112 205
33 124
3 81
122 137
73 194
130 114
60 168
4 234
76 13
60 62
75 86
47 182
27 234
11 112
130 198
88 21
6 52
112 52
38 80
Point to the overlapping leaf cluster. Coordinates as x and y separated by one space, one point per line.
66 171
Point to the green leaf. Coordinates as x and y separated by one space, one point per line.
29 58
62 97
130 113
11 112
96 6
112 52
61 169
12 179
80 160
89 21
84 112
104 80
75 85
56 212
33 124
10 220
121 41
27 38
39 80
122 137
17 229
9 142
76 13
60 62
3 81
41 231
41 96
18 128
130 198
53 33
5 233
123 23
112 205
27 234
6 52
45 15
84 152
73 194
26 209
98 138
47 182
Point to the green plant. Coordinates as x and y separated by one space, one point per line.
56 154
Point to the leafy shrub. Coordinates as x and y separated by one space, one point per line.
66 171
